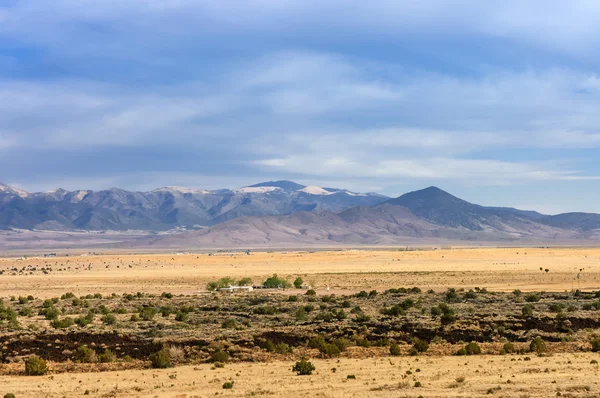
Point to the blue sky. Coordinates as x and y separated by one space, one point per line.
496 102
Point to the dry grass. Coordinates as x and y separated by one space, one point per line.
570 374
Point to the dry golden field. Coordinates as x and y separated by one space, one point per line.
571 375
342 271
567 370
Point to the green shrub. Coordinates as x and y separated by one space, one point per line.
108 356
595 342
395 349
49 313
35 366
303 368
182 316
537 345
109 319
298 283
219 356
62 323
161 359
148 313
228 385
245 282
341 343
527 310
508 348
301 314
167 295
229 324
311 292
85 354
420 345
9 395
532 298
221 283
451 295
276 282
470 349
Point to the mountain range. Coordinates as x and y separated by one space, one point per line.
283 213
166 208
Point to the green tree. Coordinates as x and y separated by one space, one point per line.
298 283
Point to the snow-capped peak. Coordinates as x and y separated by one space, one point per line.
14 191
79 195
180 190
256 189
314 190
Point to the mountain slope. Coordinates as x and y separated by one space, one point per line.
429 215
164 208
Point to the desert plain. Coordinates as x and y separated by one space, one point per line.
365 301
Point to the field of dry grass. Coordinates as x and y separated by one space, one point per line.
195 324
341 271
571 375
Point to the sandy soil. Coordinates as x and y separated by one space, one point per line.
508 376
341 271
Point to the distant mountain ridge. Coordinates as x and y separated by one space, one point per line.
427 215
286 213
165 208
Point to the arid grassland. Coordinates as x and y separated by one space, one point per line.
431 323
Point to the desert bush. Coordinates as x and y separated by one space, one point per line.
311 292
85 320
109 319
532 298
228 385
420 345
245 282
176 353
220 356
451 295
342 343
595 343
470 349
436 311
229 324
537 345
395 349
84 354
67 296
108 356
49 313
555 307
508 348
182 316
35 366
148 313
62 323
219 284
298 283
448 315
9 395
527 310
276 282
301 314
303 368
161 359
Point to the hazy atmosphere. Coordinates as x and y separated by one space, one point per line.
495 102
